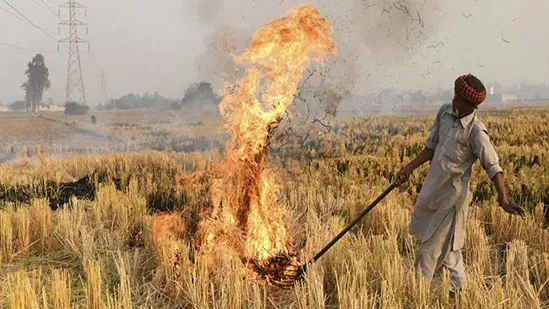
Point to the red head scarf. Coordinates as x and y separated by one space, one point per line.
469 93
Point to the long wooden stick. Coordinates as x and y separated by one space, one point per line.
303 268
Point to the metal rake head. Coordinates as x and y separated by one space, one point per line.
288 277
281 270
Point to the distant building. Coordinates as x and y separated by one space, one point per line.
511 98
494 98
496 95
503 98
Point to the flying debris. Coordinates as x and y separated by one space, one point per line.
402 7
436 45
504 39
420 20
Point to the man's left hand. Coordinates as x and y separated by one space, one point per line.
512 208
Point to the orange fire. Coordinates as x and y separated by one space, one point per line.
246 216
278 55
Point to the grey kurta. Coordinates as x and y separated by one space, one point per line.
445 196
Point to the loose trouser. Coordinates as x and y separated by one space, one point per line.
437 252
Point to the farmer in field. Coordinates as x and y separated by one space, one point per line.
456 141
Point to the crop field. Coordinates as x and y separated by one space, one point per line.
134 212
57 135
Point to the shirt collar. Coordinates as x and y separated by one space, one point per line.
465 121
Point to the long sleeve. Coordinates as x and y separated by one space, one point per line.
485 152
432 140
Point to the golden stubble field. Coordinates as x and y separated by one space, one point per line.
58 135
98 248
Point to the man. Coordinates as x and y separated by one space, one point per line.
456 141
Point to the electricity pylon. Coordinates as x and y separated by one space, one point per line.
102 80
75 80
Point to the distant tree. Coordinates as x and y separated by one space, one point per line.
418 97
442 95
134 101
126 102
48 103
199 93
155 101
37 81
129 101
18 106
28 95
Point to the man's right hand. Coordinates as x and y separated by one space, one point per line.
403 175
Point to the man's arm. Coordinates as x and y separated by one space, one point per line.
425 155
503 202
484 151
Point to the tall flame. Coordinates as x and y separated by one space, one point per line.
275 62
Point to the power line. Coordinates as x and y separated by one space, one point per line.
30 21
45 8
18 17
12 14
40 5
19 47
49 8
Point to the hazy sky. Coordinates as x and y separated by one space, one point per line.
148 46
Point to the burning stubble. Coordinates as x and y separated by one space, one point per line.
245 217
275 61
